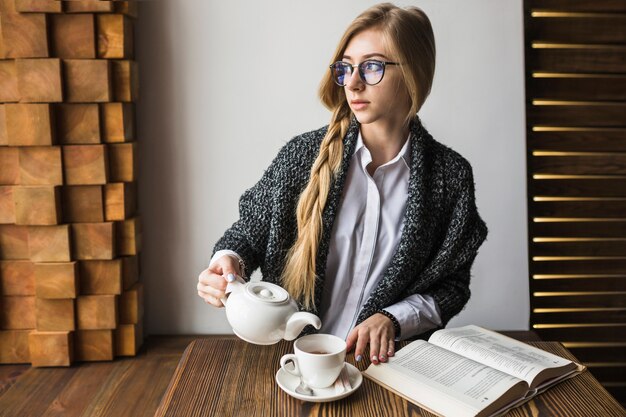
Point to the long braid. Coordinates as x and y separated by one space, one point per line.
299 274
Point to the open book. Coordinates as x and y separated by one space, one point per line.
470 371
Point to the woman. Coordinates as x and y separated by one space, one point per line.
368 222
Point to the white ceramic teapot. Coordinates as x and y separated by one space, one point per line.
264 313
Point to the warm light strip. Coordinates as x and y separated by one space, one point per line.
556 153
576 325
577 177
577 219
575 103
545 198
578 276
576 293
537 13
579 345
576 258
576 129
549 45
578 239
574 75
576 310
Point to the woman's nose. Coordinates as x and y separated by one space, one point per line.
354 81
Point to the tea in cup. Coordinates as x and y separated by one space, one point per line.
318 359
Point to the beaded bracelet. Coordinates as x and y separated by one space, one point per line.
394 320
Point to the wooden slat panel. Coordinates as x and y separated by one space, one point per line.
577 6
599 28
593 114
608 372
578 60
581 284
593 353
615 300
596 266
577 139
580 248
600 316
580 187
575 61
578 229
596 208
615 333
571 87
591 164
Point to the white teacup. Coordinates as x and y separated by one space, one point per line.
318 359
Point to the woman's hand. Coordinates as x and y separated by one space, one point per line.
213 280
378 331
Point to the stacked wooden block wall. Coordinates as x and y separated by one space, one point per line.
69 231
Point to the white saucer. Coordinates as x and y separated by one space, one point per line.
289 382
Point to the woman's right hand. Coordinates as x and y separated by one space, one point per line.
213 280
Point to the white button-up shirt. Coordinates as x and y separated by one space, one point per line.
365 234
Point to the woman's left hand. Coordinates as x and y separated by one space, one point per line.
378 331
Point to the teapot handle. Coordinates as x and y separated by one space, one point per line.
233 286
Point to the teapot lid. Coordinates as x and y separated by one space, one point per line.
267 292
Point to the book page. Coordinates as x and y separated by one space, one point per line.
503 353
449 382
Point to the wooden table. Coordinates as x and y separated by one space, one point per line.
229 377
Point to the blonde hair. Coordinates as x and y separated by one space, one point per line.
408 36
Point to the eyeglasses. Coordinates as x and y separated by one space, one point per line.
371 71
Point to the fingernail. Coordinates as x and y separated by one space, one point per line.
230 278
358 358
382 357
374 358
390 353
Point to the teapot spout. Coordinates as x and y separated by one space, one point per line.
297 321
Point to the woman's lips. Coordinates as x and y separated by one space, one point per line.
359 104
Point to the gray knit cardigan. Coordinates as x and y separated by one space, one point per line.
440 239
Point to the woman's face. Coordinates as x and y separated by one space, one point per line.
387 102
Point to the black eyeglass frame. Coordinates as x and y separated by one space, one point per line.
359 66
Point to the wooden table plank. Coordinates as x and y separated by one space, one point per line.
124 387
235 378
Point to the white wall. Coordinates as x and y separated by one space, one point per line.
214 109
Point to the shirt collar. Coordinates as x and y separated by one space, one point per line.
360 148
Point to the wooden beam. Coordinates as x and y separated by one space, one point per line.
39 80
94 241
73 35
14 346
96 312
93 345
55 314
37 205
17 312
40 165
101 277
10 163
117 122
7 205
56 280
115 36
17 278
87 80
49 243
78 124
83 204
85 164
51 348
14 242
29 125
